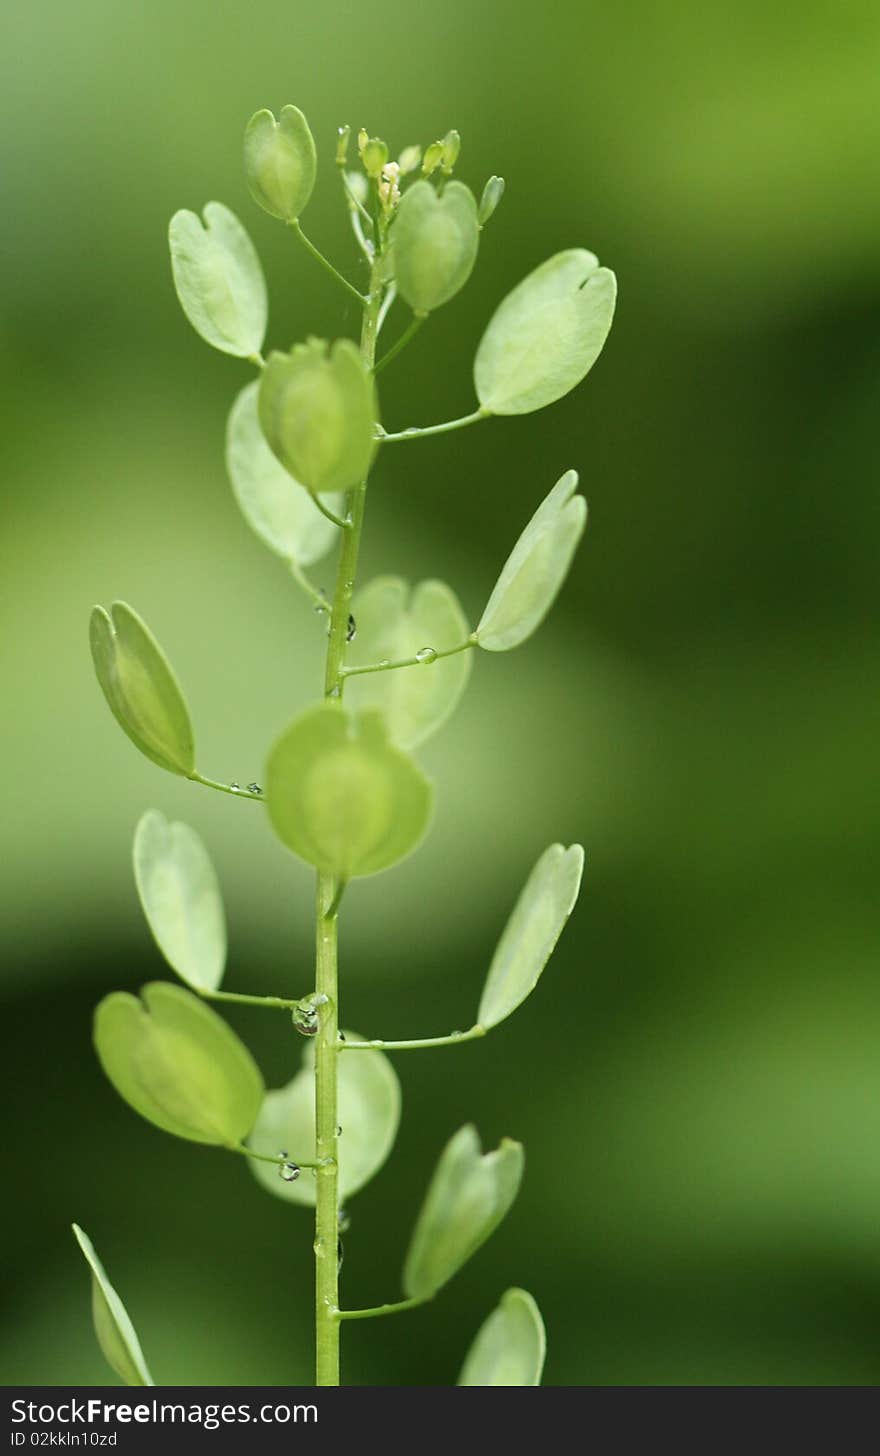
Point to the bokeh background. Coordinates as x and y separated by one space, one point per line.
697 1079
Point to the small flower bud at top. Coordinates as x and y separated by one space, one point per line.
451 149
409 159
432 158
374 155
389 190
342 135
492 195
363 138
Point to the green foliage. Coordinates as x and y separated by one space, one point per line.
219 280
546 335
281 513
369 1115
280 162
178 1064
394 623
341 789
538 919
535 569
468 1196
510 1346
341 796
436 236
141 690
181 899
115 1331
317 410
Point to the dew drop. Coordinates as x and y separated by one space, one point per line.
342 1036
288 1172
426 654
235 786
344 1220
351 630
335 691
254 788
338 1130
305 1017
385 662
340 1255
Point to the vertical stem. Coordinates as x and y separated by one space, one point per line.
327 1324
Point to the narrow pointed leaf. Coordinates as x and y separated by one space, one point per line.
181 899
141 689
274 504
341 796
369 1114
393 623
280 162
178 1064
116 1333
546 335
317 409
534 571
435 242
509 1348
538 919
219 280
468 1197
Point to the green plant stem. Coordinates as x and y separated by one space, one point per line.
409 332
325 263
452 1039
198 778
380 1309
308 586
327 1041
417 432
411 661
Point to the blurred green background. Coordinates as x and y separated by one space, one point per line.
697 1079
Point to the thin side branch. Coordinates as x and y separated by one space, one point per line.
453 1039
418 432
424 658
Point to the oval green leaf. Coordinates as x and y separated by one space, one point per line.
219 280
181 899
369 1115
317 410
276 507
534 571
141 690
546 335
509 1348
119 1343
280 161
392 623
178 1064
530 935
341 796
468 1197
435 239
